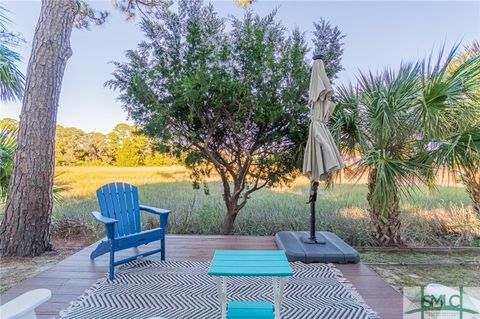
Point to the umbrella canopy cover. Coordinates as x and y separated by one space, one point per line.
321 154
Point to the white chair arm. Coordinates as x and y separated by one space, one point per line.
23 307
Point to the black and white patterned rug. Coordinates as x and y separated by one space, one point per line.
183 290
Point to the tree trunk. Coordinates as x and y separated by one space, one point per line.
229 220
25 227
472 184
386 228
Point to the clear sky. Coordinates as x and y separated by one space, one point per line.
379 34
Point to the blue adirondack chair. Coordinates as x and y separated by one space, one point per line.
120 213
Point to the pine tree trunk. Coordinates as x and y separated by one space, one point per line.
25 227
472 184
386 228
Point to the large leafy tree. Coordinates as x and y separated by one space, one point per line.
393 124
327 41
233 101
69 145
131 148
124 146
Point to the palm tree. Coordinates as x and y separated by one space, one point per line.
11 79
459 151
387 124
7 149
11 88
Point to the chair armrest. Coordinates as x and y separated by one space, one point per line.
154 210
163 213
24 305
103 219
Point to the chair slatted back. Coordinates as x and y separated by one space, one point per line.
120 201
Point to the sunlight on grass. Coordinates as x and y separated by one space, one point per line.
83 181
442 217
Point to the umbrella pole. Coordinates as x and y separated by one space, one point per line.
312 201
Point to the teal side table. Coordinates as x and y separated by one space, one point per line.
265 263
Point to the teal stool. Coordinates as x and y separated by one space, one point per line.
250 310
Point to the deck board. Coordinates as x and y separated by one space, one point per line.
71 277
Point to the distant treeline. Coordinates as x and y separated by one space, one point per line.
124 146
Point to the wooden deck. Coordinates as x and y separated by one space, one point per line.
72 276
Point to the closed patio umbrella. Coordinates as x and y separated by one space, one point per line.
321 158
321 154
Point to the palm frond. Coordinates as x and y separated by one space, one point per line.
7 150
459 152
59 188
385 101
393 176
12 81
444 94
345 121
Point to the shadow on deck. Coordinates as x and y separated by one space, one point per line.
71 277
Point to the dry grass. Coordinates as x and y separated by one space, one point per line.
440 218
404 269
14 270
458 225
82 181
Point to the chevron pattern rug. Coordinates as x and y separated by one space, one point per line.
183 290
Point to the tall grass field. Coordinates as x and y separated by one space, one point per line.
435 218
